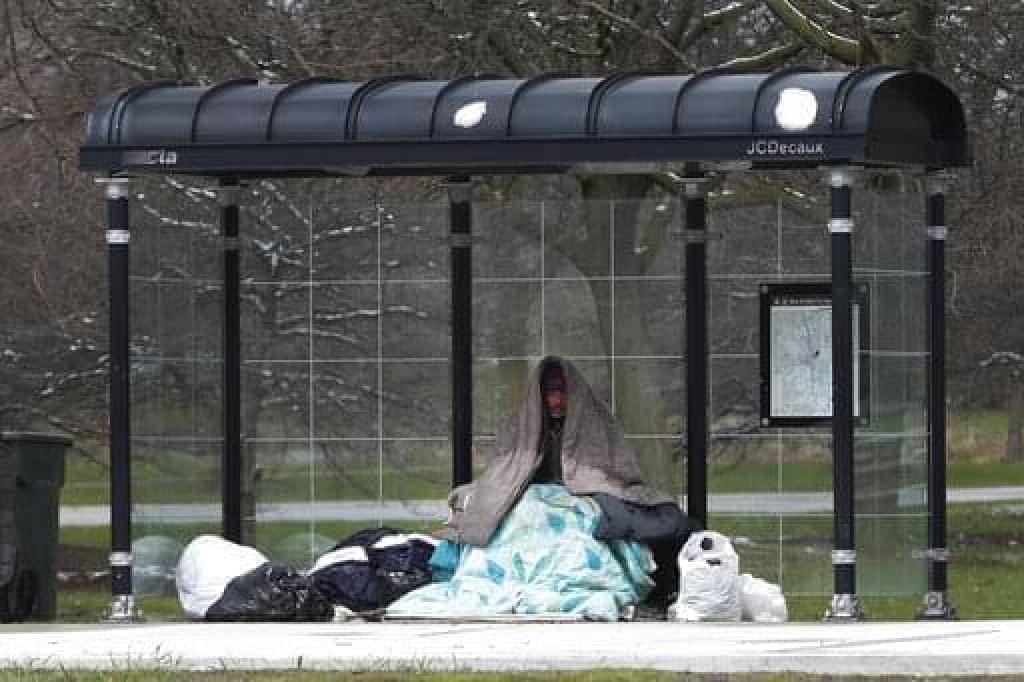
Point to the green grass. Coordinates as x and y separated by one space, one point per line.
976 435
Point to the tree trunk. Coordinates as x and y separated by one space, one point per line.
1015 420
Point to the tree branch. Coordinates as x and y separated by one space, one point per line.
767 59
709 20
839 47
656 36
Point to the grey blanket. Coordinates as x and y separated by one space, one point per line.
596 458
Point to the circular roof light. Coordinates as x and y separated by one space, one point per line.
469 115
796 110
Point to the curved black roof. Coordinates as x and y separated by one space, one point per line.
404 126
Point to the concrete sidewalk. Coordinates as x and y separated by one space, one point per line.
977 647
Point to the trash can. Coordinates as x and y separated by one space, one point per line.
37 460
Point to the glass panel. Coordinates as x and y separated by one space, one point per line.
179 399
508 240
734 314
345 323
650 396
576 318
739 463
176 306
890 554
274 233
275 399
804 251
649 318
417 320
417 471
497 388
745 239
416 399
807 466
890 474
646 244
348 470
756 539
367 346
735 394
506 319
889 232
661 462
168 470
898 394
805 555
413 242
346 241
347 402
577 239
597 373
275 321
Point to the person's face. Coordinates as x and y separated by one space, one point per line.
554 395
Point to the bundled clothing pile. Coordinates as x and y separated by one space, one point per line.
542 559
558 523
218 580
372 568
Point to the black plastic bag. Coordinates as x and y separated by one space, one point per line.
372 568
271 592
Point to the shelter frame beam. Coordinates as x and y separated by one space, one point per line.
845 605
697 381
937 605
122 608
461 268
231 462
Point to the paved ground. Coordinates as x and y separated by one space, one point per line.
978 647
371 510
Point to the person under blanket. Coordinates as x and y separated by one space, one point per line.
543 559
562 433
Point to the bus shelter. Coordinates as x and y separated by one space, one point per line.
833 344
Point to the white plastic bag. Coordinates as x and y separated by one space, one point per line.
207 565
712 547
709 585
762 601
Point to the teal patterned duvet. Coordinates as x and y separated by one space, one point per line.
542 559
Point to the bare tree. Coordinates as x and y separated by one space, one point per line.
59 55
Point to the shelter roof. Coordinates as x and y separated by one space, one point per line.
625 122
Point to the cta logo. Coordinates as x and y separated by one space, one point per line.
151 157
778 148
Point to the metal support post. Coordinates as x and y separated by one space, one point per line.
937 605
461 245
122 603
845 604
696 347
231 464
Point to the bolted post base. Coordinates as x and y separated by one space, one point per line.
123 609
845 608
937 607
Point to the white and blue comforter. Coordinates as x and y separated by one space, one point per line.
542 559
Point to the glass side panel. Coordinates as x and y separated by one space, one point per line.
346 378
